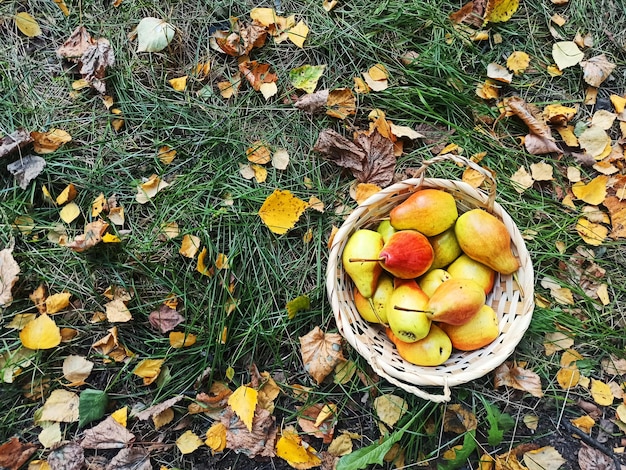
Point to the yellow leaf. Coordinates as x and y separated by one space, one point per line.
298 34
27 25
585 423
110 238
329 410
364 191
98 205
38 297
619 103
216 437
566 54
568 377
601 393
290 448
243 401
260 173
149 189
316 204
559 114
489 90
593 192
61 406
169 230
390 408
498 11
121 416
57 302
20 320
281 210
67 195
518 62
163 418
592 233
568 136
63 7
149 370
375 85
48 142
221 261
201 266
378 72
360 86
268 89
117 311
329 4
180 83
189 246
69 212
230 373
41 333
259 152
341 103
188 442
166 155
179 339
263 16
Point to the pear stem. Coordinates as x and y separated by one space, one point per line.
364 260
405 309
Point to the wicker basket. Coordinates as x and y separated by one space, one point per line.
511 297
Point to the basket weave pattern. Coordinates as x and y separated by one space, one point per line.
511 297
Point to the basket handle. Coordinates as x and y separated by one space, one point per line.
412 388
420 173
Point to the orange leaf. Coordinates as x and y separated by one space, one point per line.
259 152
257 73
243 401
341 103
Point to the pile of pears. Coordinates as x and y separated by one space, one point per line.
425 273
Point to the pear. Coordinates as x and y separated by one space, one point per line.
465 267
374 309
456 301
406 311
362 246
446 248
478 332
430 281
385 229
432 350
407 254
429 211
484 238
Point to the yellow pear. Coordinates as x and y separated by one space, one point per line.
429 211
385 229
432 350
465 267
374 309
484 238
455 301
362 247
446 248
430 281
478 332
406 311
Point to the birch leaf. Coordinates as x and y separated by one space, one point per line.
153 34
27 24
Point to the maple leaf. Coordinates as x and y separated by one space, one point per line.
370 158
321 352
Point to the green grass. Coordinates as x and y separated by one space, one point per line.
211 136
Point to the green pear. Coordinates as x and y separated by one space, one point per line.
430 281
455 301
362 247
432 350
374 309
465 267
386 229
406 311
429 211
446 248
407 254
484 238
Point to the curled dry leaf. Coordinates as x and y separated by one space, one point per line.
321 352
14 454
109 434
165 319
131 458
319 420
517 377
593 459
67 457
26 169
313 102
9 270
92 236
540 139
157 409
13 141
596 70
257 73
258 442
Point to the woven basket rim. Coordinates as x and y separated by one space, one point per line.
369 340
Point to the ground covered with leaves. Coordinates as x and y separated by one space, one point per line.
173 174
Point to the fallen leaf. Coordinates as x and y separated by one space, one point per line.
344 371
91 236
179 339
163 418
542 171
584 423
519 378
243 402
375 85
313 102
558 115
390 408
121 415
318 420
518 62
61 406
69 212
257 73
458 419
540 139
76 369
149 189
157 409
280 159
14 454
601 393
603 119
153 34
281 210
596 70
594 459
26 169
531 421
566 54
617 212
9 270
201 265
216 437
593 192
188 442
256 443
522 179
130 458
545 458
259 152
27 24
594 140
13 141
117 311
298 34
109 434
189 246
295 452
499 73
488 90
306 77
165 319
57 302
149 370
498 11
48 142
299 304
50 435
321 352
340 103
41 333
557 341
20 320
179 83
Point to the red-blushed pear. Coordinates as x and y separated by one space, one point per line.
429 211
430 281
385 229
484 238
478 332
456 301
446 248
432 350
374 309
363 245
407 254
406 311
465 267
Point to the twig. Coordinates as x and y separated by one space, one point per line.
587 439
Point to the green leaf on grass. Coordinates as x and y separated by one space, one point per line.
298 304
306 77
91 406
499 423
461 455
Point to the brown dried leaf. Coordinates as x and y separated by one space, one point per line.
614 365
617 212
68 457
9 270
256 443
257 73
540 139
519 378
593 459
91 237
94 61
380 165
458 419
308 421
156 409
340 150
313 102
341 103
26 169
13 141
596 70
165 319
14 454
321 352
131 458
109 434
